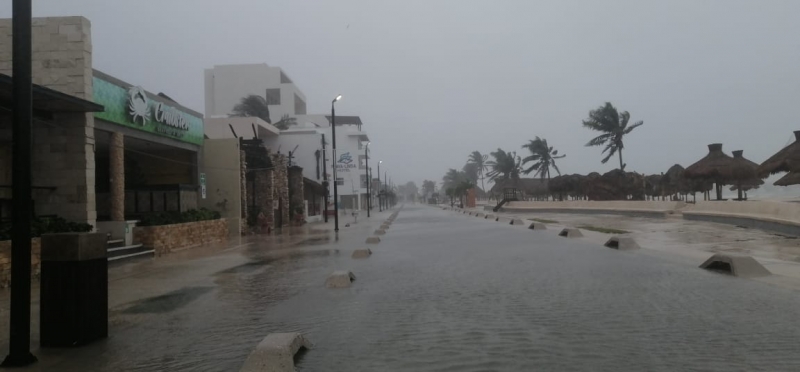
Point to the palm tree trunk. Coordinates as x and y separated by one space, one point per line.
620 158
482 186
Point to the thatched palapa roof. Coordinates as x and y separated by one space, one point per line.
716 166
744 170
791 178
785 160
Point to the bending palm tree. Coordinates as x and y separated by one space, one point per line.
542 156
480 162
452 178
614 125
252 106
506 165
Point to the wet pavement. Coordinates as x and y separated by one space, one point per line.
441 292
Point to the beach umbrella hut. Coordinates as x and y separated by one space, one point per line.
743 172
716 167
791 178
785 160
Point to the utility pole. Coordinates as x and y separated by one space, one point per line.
325 177
366 169
19 353
335 183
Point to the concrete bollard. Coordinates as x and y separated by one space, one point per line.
340 279
490 217
478 214
380 232
385 226
373 240
361 253
736 265
275 353
516 221
537 226
622 243
570 232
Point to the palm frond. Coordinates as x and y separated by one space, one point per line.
632 127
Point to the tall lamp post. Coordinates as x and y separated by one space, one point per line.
366 169
335 176
380 202
385 192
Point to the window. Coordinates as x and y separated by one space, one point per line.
363 181
360 145
340 181
299 105
273 96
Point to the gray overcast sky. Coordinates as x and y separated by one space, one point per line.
435 80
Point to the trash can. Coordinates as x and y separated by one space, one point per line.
74 289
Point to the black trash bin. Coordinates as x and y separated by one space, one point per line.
74 289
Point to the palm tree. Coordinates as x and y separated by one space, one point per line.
285 122
480 162
252 105
471 172
450 192
428 187
506 165
461 190
542 156
614 125
452 178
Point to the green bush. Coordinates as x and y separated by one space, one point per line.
170 218
47 225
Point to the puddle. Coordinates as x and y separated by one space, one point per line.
167 302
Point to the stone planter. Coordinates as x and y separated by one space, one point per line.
167 238
5 260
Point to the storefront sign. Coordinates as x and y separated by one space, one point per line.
345 163
131 107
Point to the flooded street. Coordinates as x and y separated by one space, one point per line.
449 292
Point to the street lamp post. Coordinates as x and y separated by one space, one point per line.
335 176
366 169
380 202
384 189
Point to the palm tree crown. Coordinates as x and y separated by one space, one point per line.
614 126
479 160
542 156
252 105
506 165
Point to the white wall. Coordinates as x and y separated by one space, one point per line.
307 142
225 85
221 164
347 142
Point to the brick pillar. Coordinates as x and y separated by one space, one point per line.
280 186
116 155
296 196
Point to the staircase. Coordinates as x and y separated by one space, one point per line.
118 251
509 194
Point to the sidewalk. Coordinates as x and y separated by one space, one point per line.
138 290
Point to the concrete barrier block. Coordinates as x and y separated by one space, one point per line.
385 226
736 265
275 353
537 226
622 243
570 232
373 240
490 217
478 214
361 253
380 232
517 221
340 279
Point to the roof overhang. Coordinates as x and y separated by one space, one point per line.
46 99
245 127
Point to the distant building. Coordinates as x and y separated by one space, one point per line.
225 85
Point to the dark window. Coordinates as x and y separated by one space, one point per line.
273 96
299 105
363 181
340 181
362 162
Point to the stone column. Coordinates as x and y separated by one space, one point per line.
296 185
116 171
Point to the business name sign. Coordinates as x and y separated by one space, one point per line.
131 107
345 163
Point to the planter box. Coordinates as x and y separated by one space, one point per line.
167 238
5 260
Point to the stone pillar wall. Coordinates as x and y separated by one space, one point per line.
297 194
269 203
243 185
116 172
280 182
63 147
262 196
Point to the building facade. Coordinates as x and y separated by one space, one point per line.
225 85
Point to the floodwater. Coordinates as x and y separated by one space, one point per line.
449 292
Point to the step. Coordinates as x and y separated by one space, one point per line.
136 250
116 243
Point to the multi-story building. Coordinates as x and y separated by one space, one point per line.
225 85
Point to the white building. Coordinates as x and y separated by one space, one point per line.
225 85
